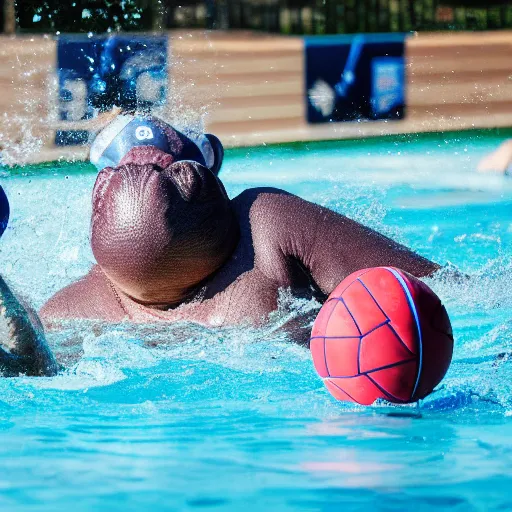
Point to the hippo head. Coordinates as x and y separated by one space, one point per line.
160 227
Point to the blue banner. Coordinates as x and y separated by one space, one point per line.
355 77
97 73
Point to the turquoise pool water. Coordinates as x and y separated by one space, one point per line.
149 418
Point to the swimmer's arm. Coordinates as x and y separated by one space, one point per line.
499 160
329 245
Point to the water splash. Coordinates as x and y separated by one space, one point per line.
46 247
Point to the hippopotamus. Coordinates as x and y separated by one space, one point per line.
170 245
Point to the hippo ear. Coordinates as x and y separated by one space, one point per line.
218 151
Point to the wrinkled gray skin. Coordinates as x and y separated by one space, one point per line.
23 346
172 247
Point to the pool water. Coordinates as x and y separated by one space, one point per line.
181 417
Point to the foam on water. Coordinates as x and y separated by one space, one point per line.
179 416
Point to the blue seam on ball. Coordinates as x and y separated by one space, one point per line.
387 393
390 325
374 300
351 315
343 391
325 346
336 337
400 339
382 324
412 306
359 354
386 367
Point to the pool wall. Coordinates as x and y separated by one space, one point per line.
248 88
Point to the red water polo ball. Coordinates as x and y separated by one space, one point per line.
382 334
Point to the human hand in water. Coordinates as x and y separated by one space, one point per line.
23 346
499 160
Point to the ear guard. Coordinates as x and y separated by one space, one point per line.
126 132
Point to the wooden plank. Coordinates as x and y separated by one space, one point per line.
458 52
426 65
250 65
243 43
450 39
229 130
462 93
198 77
494 75
249 89
482 113
221 58
252 104
265 112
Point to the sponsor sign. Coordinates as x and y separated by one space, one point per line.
360 77
99 72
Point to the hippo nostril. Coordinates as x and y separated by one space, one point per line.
187 181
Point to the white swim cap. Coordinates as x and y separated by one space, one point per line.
128 131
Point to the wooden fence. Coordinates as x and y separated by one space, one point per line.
249 89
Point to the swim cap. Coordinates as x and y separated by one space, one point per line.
128 131
4 211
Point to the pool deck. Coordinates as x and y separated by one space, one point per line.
249 89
